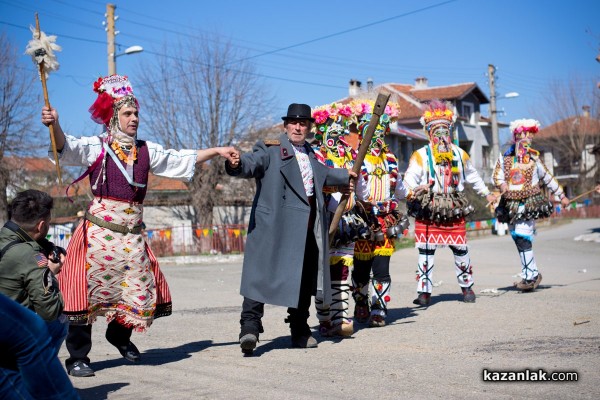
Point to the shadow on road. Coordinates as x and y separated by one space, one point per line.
100 392
163 356
281 342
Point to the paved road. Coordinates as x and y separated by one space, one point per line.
438 352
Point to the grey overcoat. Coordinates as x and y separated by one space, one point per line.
277 230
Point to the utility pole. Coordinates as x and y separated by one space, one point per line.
493 114
110 38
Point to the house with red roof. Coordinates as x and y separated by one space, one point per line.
570 149
473 130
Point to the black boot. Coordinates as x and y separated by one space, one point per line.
300 331
248 339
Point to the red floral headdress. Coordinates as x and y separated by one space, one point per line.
110 89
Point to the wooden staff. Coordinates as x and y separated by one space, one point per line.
581 195
378 110
47 102
489 203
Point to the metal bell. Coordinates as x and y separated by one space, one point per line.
391 232
404 223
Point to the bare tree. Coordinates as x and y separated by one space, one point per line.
18 102
200 94
571 128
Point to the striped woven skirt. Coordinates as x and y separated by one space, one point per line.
113 274
430 234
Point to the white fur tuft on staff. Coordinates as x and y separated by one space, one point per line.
41 49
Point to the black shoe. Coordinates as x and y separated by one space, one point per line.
248 343
468 295
423 299
80 369
304 342
130 352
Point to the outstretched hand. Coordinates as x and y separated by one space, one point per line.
231 154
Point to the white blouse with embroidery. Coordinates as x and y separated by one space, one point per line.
84 151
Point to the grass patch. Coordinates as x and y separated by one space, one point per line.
404 243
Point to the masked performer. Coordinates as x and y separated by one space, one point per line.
518 175
435 178
334 150
378 205
110 269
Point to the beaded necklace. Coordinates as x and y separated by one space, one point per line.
119 151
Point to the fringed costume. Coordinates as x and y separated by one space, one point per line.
333 150
435 178
519 175
378 206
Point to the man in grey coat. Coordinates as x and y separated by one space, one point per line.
287 246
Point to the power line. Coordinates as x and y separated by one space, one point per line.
59 17
349 30
80 8
235 70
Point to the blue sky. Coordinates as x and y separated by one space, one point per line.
308 51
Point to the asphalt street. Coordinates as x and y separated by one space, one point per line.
437 352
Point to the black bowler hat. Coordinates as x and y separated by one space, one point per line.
299 111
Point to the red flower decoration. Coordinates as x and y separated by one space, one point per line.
97 85
387 299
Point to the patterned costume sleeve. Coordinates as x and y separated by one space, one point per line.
414 175
549 180
498 177
79 151
472 176
177 164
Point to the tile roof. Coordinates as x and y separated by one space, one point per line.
409 97
586 125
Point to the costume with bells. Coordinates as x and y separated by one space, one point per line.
110 269
435 178
519 173
332 149
378 205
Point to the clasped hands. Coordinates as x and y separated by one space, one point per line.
231 154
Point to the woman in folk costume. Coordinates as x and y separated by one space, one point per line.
110 269
332 149
435 178
379 206
518 175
